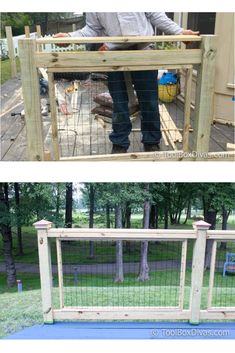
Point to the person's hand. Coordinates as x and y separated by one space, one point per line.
61 35
189 32
103 47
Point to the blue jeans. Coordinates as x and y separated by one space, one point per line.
146 87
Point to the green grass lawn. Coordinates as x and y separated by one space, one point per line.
6 69
19 310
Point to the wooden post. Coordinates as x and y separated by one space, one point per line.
184 24
27 31
31 95
38 30
44 252
11 51
199 250
187 108
184 20
204 95
212 274
182 273
39 34
177 18
60 272
54 124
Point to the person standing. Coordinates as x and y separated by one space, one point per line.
145 82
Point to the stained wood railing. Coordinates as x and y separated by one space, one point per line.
32 58
194 313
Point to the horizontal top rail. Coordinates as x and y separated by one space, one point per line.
221 234
121 234
129 39
118 59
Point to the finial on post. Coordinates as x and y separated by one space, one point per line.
201 225
43 224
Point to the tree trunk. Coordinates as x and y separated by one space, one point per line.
7 236
5 187
91 218
188 214
69 205
19 232
144 268
210 217
225 215
128 216
107 216
179 216
57 208
166 223
119 278
129 245
152 217
156 217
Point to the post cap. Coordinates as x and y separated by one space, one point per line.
201 225
43 224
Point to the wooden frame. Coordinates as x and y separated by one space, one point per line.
11 51
194 314
60 272
130 60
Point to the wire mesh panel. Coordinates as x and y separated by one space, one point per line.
90 107
91 277
222 277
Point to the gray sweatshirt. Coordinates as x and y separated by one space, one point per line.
126 24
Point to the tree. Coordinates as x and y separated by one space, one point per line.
18 221
17 20
5 228
69 205
37 201
215 197
43 18
180 195
91 216
144 268
119 277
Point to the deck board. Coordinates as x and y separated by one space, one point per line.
128 330
81 134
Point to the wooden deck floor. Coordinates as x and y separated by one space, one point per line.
127 330
79 133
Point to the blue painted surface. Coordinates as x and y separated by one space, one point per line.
128 330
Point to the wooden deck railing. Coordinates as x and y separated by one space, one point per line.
194 313
32 58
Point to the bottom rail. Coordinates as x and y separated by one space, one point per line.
140 314
121 314
158 156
